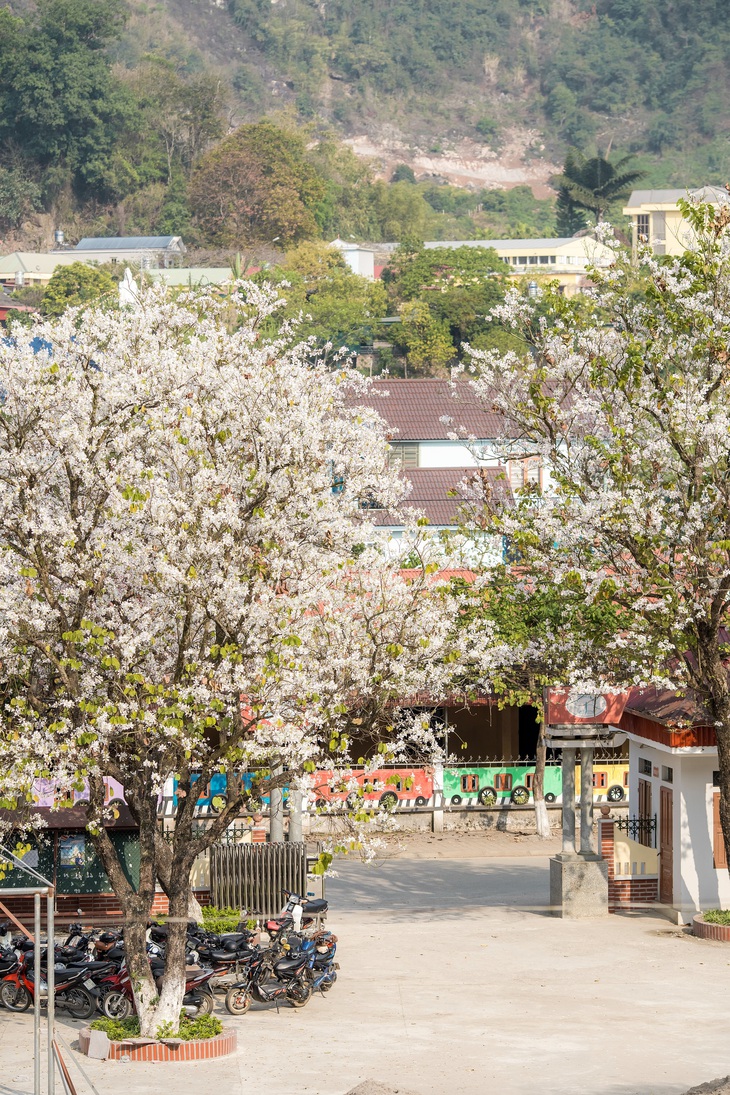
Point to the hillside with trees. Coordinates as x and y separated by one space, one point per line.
124 117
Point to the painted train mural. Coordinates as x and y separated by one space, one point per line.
478 784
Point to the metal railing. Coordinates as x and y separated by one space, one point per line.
234 834
642 829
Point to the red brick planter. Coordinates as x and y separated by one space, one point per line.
171 1049
718 932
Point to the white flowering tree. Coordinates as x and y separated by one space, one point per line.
186 586
626 397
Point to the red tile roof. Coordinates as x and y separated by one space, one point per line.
435 492
414 408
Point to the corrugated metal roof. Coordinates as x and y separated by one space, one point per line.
414 408
655 197
125 243
34 262
670 197
435 493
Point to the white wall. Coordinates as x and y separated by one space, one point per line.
450 454
696 883
703 887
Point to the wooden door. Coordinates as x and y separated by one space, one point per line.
666 845
718 843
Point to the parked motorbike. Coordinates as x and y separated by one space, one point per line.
76 989
290 979
299 913
320 951
117 997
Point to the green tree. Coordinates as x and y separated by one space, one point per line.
336 306
403 173
19 196
592 183
74 285
58 98
257 184
458 285
398 210
425 339
569 218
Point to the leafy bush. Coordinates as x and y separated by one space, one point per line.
220 920
118 1029
205 1026
717 916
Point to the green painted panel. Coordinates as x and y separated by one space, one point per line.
78 868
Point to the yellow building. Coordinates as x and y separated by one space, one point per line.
30 268
657 220
565 260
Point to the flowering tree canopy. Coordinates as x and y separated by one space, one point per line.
626 397
188 585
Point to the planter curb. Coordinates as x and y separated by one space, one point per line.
720 933
168 1049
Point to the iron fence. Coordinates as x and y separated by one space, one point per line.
254 876
642 829
234 834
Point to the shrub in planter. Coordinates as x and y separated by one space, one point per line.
118 1030
717 916
223 920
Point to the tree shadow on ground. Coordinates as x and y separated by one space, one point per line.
418 885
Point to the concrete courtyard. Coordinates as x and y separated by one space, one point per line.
455 978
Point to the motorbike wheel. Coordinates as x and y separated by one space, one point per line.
15 997
116 1005
238 1001
327 985
77 1002
298 993
203 1001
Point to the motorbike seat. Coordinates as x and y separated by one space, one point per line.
285 965
316 907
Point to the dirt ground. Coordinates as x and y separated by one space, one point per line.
468 844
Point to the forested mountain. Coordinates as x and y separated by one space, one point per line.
115 114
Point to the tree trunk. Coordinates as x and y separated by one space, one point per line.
719 705
542 819
135 951
169 1006
163 851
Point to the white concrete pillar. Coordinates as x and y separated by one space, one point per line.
438 798
295 815
586 801
276 809
568 801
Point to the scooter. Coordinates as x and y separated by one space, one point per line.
117 998
298 913
291 981
321 963
75 986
